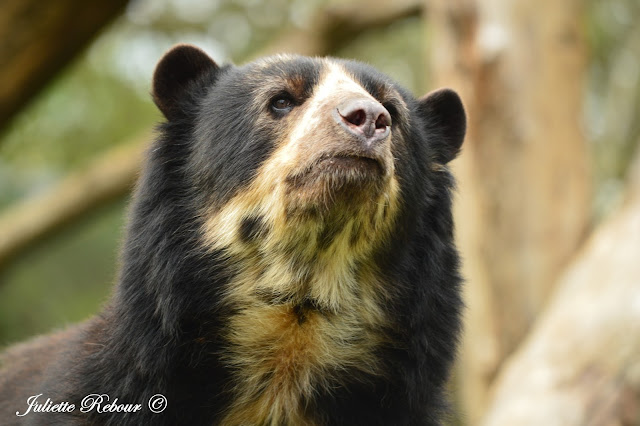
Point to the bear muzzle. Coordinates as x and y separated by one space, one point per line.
358 145
346 153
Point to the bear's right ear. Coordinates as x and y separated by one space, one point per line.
176 70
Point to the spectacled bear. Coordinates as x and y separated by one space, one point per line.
289 260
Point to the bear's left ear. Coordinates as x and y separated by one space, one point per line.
445 122
176 70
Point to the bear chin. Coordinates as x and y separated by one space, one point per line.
350 169
339 182
342 178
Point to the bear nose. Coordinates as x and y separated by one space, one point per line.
365 118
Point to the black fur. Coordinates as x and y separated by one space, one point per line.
252 228
161 331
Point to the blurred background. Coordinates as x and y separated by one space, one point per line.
548 204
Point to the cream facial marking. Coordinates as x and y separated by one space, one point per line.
336 84
306 294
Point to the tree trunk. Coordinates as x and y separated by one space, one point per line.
523 203
581 364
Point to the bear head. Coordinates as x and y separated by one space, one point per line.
303 154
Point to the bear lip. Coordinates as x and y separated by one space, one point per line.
342 166
337 163
351 158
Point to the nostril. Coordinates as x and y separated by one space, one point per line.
357 117
383 120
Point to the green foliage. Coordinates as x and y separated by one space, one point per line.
85 111
612 103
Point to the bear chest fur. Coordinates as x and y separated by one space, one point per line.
283 349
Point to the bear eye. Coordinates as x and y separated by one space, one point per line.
282 104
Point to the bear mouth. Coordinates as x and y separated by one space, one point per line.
349 165
335 179
339 171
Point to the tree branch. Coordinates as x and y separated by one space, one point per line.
103 180
39 38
